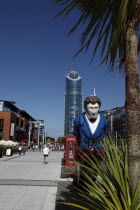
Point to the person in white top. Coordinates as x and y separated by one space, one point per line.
20 149
46 153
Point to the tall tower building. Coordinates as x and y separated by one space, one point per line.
72 100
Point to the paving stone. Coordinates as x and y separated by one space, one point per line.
28 184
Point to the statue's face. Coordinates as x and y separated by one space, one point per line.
93 110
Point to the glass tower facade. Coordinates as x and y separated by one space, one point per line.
72 100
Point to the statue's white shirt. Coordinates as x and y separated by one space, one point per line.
93 126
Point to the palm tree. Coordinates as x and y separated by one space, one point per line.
115 24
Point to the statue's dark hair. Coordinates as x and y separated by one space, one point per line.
92 100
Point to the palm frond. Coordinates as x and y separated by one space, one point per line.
106 186
104 21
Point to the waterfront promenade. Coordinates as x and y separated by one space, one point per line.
26 183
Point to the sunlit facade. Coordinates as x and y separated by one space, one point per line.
116 118
72 100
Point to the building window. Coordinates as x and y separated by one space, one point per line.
17 122
21 124
1 123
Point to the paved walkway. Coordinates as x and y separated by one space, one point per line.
27 183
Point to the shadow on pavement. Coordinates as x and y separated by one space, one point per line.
66 194
63 195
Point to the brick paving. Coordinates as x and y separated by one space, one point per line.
27 184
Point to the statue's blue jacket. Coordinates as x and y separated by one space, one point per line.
83 133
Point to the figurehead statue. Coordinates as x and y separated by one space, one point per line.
90 127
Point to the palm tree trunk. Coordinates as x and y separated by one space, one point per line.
132 100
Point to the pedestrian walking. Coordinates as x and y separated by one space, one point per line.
29 148
8 151
33 148
36 148
23 150
1 153
46 153
19 149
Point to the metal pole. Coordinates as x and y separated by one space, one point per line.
116 139
38 138
38 134
111 124
29 137
29 134
43 137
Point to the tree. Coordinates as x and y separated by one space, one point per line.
115 25
63 139
50 138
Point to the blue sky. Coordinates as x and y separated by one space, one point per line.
36 55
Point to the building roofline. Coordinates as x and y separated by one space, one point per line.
113 109
13 102
27 115
11 105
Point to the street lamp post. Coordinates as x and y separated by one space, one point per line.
111 124
38 137
29 137
30 128
29 142
43 138
46 138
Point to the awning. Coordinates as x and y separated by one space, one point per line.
24 140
